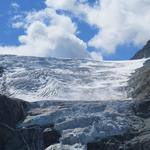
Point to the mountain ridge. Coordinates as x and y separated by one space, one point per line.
143 53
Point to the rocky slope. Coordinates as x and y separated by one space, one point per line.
139 84
144 52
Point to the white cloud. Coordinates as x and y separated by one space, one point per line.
49 34
96 56
15 5
63 4
119 21
54 41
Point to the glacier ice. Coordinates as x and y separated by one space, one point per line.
80 122
85 99
34 79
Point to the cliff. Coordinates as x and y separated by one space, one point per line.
144 52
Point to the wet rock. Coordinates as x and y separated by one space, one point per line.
50 136
142 108
32 137
116 142
141 142
20 139
5 133
11 110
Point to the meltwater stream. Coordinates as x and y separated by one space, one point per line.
34 79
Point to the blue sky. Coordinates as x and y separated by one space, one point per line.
86 29
9 35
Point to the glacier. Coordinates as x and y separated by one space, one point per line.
85 100
35 78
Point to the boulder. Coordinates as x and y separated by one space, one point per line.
50 136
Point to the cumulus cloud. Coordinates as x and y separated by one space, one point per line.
119 21
96 56
63 4
49 34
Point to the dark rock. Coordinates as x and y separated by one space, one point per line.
50 136
142 108
20 139
143 53
139 84
25 138
5 133
116 142
32 138
1 71
11 110
141 142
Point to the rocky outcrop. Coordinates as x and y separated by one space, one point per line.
14 137
139 84
143 53
117 142
50 136
12 110
20 139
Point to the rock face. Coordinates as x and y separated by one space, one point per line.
20 139
11 110
12 137
143 53
110 143
139 84
50 137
